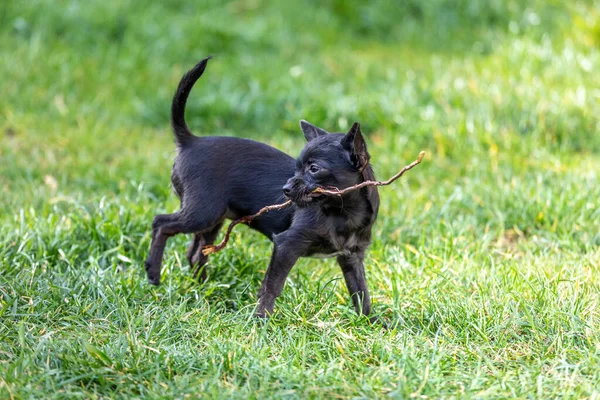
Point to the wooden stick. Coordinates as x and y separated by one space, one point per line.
338 192
209 249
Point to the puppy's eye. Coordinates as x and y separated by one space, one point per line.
314 168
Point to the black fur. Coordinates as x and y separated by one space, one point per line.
224 177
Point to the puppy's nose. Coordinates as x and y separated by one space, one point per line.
287 189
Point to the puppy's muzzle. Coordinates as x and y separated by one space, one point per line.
296 190
287 189
292 187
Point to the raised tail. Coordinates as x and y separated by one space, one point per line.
180 128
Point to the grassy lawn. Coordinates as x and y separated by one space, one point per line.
485 260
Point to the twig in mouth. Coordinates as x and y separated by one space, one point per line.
209 249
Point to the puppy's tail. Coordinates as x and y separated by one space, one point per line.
180 128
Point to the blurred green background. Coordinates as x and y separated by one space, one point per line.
485 258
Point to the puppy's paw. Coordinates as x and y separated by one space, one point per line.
266 303
200 275
153 277
263 312
154 281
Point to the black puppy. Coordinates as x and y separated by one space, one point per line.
224 177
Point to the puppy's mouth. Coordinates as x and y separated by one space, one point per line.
304 197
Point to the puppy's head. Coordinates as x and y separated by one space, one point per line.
328 160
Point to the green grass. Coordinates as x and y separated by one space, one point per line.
485 258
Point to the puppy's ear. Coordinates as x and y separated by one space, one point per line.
310 131
355 144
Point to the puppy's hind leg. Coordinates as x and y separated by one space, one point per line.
195 257
193 248
167 225
159 241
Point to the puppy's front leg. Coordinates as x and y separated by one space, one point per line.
289 246
354 274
